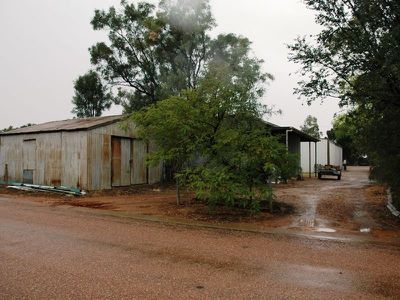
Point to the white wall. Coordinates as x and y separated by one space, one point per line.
335 154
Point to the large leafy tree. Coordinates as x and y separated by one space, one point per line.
213 135
345 132
311 127
152 52
91 96
356 58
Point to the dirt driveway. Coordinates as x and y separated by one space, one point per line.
352 208
66 252
55 247
352 205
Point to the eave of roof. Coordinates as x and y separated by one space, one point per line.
304 137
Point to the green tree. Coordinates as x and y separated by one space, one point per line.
9 128
345 133
91 96
356 58
311 127
152 53
214 136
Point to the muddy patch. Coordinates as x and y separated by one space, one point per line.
86 204
376 199
199 211
336 208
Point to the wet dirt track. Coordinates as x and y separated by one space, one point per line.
72 253
352 206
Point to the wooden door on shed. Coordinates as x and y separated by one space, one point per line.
120 161
29 160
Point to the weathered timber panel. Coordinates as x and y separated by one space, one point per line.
74 159
139 168
155 172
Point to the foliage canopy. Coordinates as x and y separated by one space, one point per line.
356 58
195 96
91 96
213 135
311 127
153 52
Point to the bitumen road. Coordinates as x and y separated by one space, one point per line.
66 252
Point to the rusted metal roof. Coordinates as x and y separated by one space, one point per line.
66 125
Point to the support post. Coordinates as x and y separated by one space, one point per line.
328 155
315 161
309 159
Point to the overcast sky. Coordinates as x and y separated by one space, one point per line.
44 47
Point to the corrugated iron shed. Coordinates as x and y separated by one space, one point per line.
93 154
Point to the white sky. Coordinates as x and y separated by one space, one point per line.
44 47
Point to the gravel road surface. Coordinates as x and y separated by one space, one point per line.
75 253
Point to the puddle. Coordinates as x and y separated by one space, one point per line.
365 230
323 229
200 287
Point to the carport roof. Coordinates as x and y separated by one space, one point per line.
66 125
304 137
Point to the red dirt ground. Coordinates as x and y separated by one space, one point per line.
347 205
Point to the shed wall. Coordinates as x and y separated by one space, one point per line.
305 157
45 161
133 155
335 154
74 159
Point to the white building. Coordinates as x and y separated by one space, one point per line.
325 152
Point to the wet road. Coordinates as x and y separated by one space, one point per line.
72 253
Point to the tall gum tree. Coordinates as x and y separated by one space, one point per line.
152 52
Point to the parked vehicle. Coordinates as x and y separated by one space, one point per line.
329 170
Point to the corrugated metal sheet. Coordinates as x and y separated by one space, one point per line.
125 161
42 154
116 161
66 125
48 159
74 159
139 168
155 172
99 158
327 153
